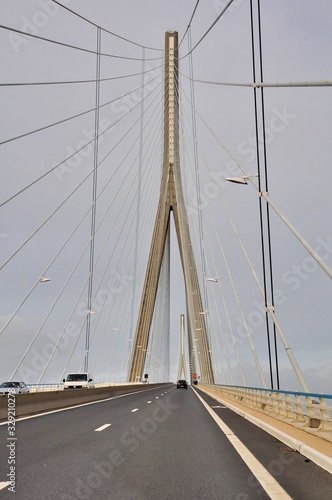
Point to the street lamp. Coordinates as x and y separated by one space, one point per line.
240 180
89 313
243 180
215 279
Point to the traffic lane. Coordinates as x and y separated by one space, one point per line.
168 448
302 479
65 427
57 420
49 445
181 454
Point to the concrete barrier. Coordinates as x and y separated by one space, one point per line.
39 402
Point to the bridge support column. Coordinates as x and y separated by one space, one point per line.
171 200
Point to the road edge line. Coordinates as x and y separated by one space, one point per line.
304 449
265 479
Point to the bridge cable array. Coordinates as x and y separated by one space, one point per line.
126 184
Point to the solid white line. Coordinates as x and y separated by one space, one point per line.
102 427
266 480
3 484
135 409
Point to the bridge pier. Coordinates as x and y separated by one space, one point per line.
171 200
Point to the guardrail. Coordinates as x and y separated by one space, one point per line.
42 401
59 387
311 411
45 387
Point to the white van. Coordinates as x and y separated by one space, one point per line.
78 381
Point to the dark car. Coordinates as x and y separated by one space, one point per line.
181 383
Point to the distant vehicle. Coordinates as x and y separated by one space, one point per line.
16 387
78 381
181 383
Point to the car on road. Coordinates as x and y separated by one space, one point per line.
78 381
181 383
16 387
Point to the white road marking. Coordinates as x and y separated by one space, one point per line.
149 402
218 406
19 419
135 409
157 397
50 412
102 427
266 480
3 484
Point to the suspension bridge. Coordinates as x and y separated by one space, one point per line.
161 216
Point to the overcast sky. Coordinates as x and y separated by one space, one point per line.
296 47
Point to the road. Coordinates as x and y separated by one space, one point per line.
158 444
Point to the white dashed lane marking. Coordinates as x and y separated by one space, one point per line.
3 484
102 427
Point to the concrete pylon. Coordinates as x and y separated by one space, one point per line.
171 200
182 361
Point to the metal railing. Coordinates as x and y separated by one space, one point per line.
307 410
45 387
59 387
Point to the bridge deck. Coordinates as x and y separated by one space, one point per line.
314 447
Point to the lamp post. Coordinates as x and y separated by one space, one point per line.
89 313
244 180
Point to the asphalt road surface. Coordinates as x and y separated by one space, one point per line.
158 444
